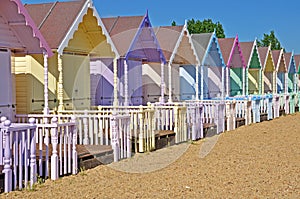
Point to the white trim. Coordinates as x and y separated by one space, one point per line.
73 28
105 32
88 4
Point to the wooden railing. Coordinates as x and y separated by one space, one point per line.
92 128
56 134
17 155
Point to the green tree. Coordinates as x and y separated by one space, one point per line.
174 23
270 39
205 26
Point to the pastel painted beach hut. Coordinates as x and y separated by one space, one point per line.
19 37
297 64
268 70
136 44
281 71
212 66
182 62
253 70
74 32
291 72
235 66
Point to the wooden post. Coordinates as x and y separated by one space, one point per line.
197 83
227 80
176 123
274 82
286 83
194 121
141 130
223 83
115 65
7 157
248 111
126 102
202 82
244 81
128 136
85 129
74 142
46 105
170 82
54 156
115 137
162 68
33 170
60 92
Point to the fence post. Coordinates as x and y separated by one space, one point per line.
194 120
287 103
7 157
176 123
269 107
74 141
248 112
115 137
128 136
152 125
33 169
54 156
141 125
85 128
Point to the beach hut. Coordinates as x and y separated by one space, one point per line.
136 44
281 71
19 37
235 66
212 66
254 69
182 63
75 33
291 72
268 70
297 64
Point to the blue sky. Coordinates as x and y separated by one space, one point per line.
248 19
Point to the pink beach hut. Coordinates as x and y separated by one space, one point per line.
235 66
19 37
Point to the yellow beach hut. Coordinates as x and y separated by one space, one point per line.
75 33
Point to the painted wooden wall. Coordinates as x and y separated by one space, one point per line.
187 82
212 73
236 74
281 71
29 72
236 81
269 76
7 95
253 75
152 82
76 76
102 81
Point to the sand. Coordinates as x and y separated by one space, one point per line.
256 161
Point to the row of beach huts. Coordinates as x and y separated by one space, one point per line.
73 82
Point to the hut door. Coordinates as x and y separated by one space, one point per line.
6 102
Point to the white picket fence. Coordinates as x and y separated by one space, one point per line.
94 128
61 135
18 157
